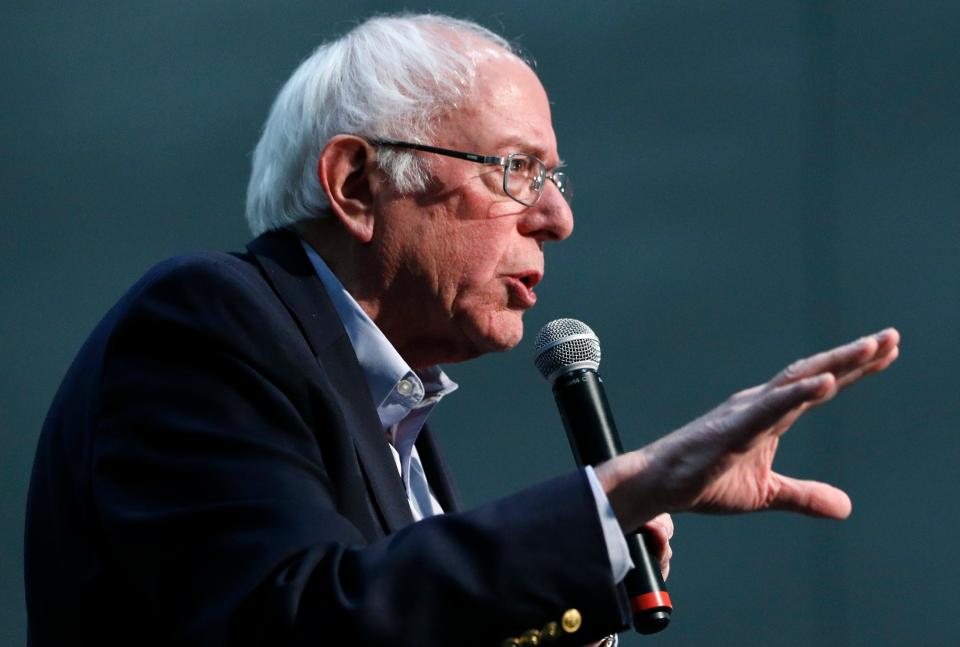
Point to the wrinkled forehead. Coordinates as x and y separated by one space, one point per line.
507 110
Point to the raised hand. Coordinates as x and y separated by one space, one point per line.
722 462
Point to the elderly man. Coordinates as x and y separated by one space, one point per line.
238 454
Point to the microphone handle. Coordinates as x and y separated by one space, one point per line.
594 439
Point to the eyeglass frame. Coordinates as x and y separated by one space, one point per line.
503 162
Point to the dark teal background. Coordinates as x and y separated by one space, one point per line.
755 181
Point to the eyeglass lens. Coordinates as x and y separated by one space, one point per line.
524 177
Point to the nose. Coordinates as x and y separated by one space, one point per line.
550 219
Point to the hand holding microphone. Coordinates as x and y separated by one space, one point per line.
720 462
568 356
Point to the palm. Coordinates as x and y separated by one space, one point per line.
748 484
723 461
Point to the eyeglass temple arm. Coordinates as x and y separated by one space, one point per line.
470 157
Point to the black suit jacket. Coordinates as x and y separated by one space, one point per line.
213 472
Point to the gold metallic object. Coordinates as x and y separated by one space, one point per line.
550 631
571 620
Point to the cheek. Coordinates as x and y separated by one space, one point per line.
471 237
480 256
483 306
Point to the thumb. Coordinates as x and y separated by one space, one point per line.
810 497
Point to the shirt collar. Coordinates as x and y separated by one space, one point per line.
396 388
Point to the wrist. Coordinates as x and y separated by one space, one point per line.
630 486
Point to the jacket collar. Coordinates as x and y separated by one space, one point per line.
293 278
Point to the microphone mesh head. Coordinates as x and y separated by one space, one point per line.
565 345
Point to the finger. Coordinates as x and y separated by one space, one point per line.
658 532
843 359
838 360
887 344
884 358
665 522
779 407
888 339
875 366
853 359
845 380
811 497
658 537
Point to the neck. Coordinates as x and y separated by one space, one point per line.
370 284
346 259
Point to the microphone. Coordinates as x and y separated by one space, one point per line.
568 355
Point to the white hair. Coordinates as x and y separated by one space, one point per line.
390 77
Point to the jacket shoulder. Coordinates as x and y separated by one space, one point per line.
207 272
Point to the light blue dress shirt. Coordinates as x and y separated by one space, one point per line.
405 399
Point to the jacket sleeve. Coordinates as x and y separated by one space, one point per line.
214 458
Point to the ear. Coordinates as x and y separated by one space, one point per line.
344 170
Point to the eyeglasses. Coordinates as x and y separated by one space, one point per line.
524 175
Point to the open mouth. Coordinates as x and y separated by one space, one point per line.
529 279
523 284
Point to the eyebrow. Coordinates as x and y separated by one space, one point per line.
518 144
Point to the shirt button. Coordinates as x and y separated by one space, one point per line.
404 387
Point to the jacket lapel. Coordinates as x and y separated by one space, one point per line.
293 278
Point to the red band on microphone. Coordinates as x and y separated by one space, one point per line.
651 601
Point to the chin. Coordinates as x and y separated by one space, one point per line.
500 332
